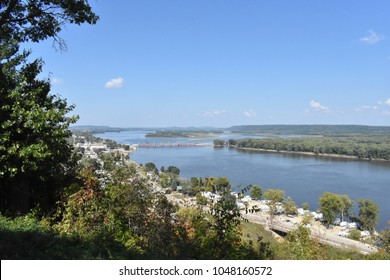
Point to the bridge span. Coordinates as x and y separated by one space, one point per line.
172 144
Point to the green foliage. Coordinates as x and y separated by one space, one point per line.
360 146
256 192
290 207
201 200
194 182
354 234
384 239
274 195
368 214
302 247
220 143
173 170
332 205
331 130
35 156
305 206
150 167
38 20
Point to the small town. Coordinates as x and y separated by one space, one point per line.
255 211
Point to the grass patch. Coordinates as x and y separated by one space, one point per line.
252 232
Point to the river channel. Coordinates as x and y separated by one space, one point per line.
303 177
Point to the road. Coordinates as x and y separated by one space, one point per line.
320 233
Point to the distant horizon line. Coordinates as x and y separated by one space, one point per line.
219 127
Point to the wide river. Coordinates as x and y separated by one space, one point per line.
304 178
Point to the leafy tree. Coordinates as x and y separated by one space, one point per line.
194 182
354 234
330 206
347 205
165 180
173 170
289 206
385 239
301 245
256 192
219 143
222 186
35 157
35 154
368 214
225 227
305 205
275 196
149 167
37 20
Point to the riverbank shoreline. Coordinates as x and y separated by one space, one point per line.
311 154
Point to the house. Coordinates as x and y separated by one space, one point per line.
211 195
343 224
247 198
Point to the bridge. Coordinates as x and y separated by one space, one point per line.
172 144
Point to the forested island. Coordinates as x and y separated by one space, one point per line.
319 130
375 147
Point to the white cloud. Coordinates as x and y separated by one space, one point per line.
366 108
214 113
372 38
114 83
317 106
250 114
57 81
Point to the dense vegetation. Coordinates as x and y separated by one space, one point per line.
362 147
35 158
327 130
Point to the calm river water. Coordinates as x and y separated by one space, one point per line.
304 178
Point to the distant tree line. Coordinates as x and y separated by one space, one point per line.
362 147
328 130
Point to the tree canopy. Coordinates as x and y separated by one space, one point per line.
36 20
368 214
35 154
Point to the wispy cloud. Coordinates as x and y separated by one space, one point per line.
317 106
366 108
372 38
214 113
114 83
57 81
250 114
380 105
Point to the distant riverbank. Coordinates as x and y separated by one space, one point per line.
308 154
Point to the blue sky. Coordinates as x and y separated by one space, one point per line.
222 63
